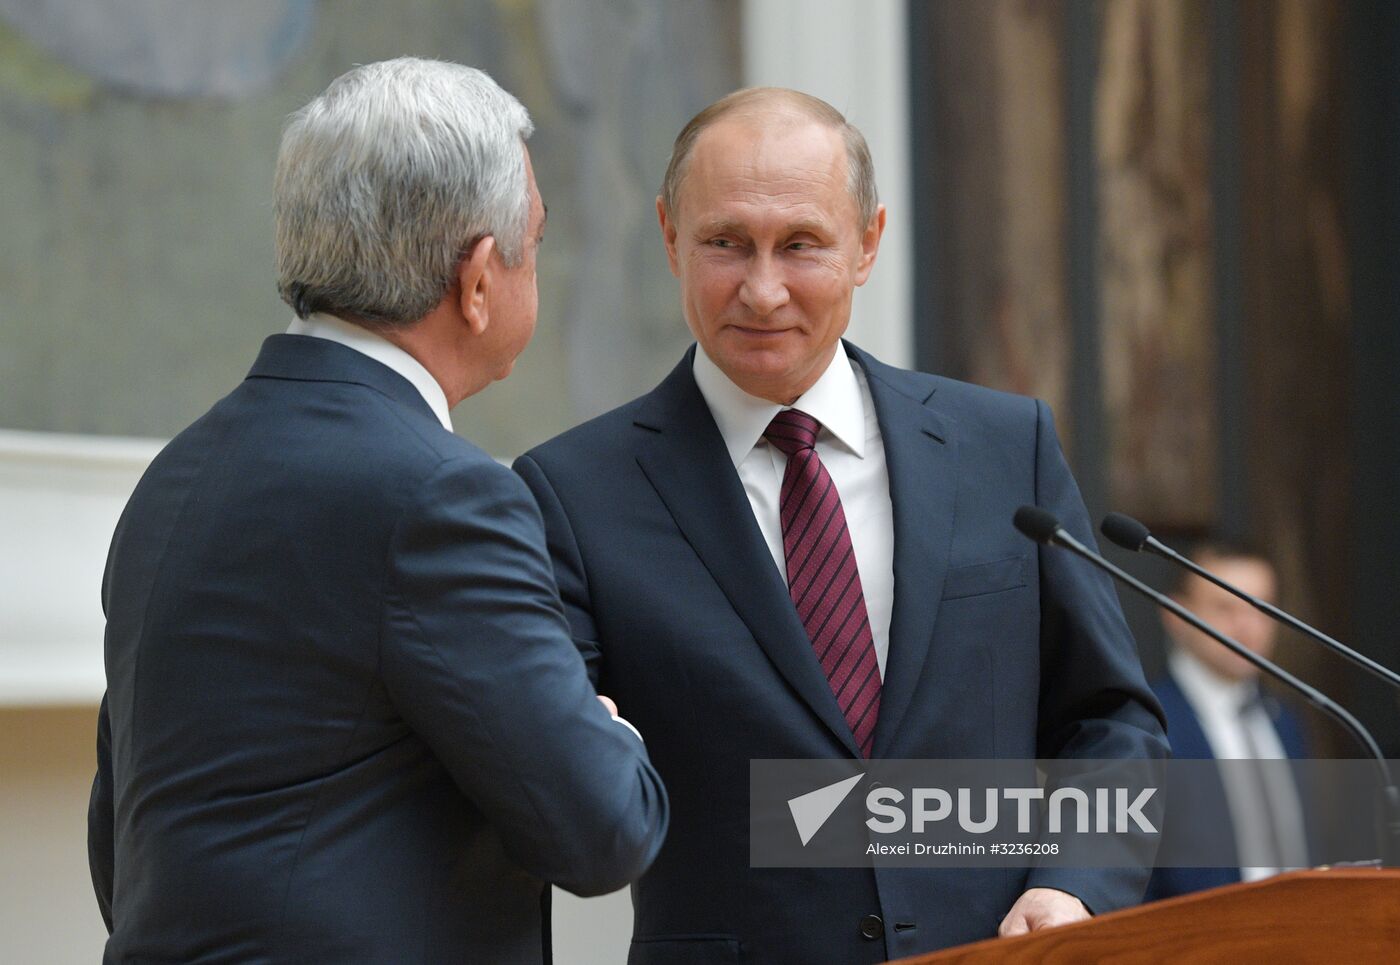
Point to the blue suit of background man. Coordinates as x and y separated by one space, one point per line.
1188 742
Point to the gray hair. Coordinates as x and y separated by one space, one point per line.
860 169
386 180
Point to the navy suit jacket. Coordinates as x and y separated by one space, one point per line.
997 650
344 719
1188 742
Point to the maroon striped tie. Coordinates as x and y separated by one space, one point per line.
822 575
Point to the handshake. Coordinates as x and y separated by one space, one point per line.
353 662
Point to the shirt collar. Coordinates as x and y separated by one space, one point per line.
835 401
1205 687
383 351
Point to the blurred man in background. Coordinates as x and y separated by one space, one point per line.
1216 710
344 719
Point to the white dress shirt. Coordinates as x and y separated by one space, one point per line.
380 349
849 445
1233 735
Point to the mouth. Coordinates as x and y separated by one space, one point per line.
759 333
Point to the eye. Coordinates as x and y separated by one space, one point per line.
799 245
722 243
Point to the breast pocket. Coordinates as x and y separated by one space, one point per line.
979 579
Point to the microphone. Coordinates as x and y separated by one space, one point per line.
1133 535
1042 527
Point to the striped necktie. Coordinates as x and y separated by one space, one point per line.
822 576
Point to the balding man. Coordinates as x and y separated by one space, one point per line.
791 550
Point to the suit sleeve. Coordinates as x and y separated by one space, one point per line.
100 819
1094 701
568 566
476 655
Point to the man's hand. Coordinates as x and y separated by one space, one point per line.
612 709
1041 908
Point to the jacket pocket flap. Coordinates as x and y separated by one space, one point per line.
977 579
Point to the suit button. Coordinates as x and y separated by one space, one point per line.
872 928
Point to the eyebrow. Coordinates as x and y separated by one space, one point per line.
808 226
718 227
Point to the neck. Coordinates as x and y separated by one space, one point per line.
435 342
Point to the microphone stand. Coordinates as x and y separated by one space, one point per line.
1042 527
1133 535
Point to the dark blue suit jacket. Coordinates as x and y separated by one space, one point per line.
1188 742
997 650
344 720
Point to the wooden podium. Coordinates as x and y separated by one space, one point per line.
1328 915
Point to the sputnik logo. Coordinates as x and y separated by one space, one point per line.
811 810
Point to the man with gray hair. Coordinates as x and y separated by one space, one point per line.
344 719
790 550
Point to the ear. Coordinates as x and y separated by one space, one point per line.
870 245
475 283
668 235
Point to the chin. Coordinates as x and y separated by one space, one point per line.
759 380
768 364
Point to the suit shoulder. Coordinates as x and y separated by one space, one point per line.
973 408
952 395
407 443
593 440
335 437
970 397
422 436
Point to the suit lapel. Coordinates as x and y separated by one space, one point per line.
921 454
683 456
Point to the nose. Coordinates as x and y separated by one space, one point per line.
1254 630
764 291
